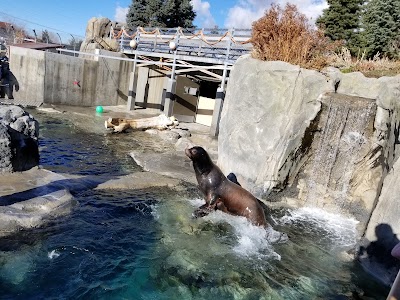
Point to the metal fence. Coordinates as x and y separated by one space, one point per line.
212 44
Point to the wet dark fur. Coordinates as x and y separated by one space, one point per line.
220 193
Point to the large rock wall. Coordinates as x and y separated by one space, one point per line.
270 120
268 107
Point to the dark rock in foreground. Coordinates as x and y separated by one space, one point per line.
19 133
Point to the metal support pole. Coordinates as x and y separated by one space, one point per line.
133 79
171 84
59 38
219 102
169 97
132 87
155 41
201 44
220 96
34 31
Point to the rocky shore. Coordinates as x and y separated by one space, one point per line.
30 198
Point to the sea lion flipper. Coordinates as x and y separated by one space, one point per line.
203 211
213 199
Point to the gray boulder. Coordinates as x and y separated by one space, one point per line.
268 107
19 133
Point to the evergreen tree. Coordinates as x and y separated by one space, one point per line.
75 43
341 21
46 37
382 27
137 14
178 13
154 10
160 13
188 13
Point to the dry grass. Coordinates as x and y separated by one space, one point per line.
376 67
286 35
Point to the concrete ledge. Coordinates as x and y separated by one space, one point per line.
28 199
140 180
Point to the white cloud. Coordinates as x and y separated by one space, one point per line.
245 12
203 14
242 17
120 14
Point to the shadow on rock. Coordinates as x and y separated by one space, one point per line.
72 185
376 257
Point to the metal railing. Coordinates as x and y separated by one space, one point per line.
204 43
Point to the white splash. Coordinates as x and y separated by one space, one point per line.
53 254
340 230
154 212
251 240
197 202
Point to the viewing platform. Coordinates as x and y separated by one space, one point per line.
210 46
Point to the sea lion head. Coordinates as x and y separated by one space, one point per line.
196 153
199 156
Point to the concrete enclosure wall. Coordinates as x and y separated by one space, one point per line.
53 78
87 80
28 67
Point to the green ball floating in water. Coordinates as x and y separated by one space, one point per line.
99 109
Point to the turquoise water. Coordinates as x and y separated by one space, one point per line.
143 244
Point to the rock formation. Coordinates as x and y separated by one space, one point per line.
268 107
98 35
19 133
288 113
310 138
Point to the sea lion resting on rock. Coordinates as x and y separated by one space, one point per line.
220 193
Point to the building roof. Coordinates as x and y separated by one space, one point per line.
4 25
38 46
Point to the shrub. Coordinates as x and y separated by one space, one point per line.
371 67
286 35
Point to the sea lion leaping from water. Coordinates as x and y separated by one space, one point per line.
220 193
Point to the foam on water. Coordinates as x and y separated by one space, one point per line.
340 230
53 254
196 202
154 212
251 241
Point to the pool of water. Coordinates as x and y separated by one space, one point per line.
143 244
67 147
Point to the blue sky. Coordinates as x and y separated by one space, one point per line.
70 17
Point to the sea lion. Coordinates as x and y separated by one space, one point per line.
220 193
